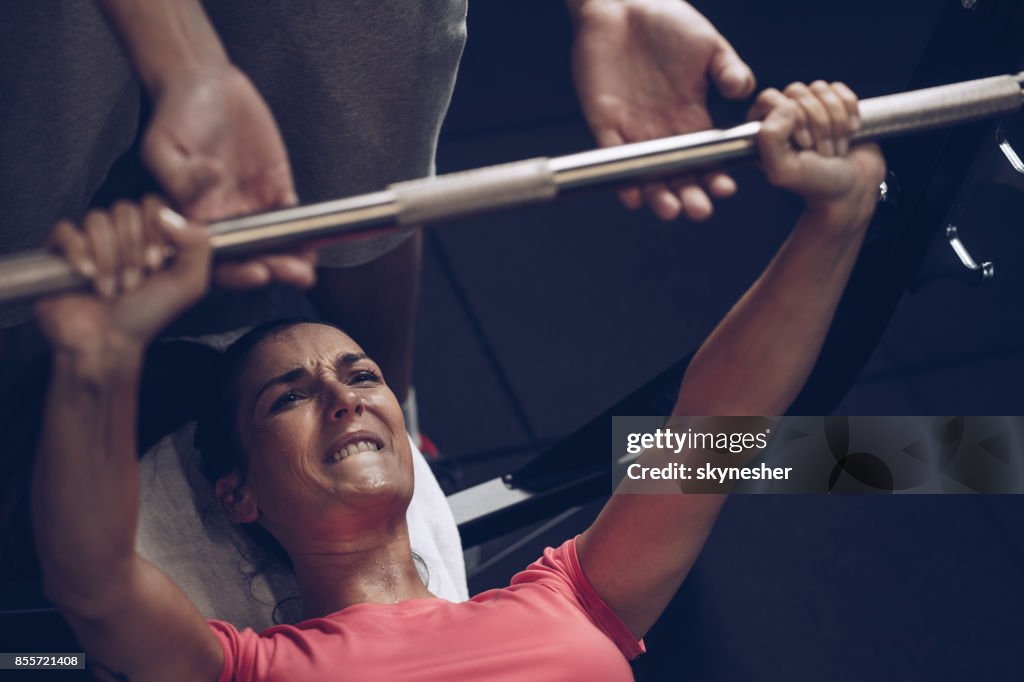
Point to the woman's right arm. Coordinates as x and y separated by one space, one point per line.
128 615
133 620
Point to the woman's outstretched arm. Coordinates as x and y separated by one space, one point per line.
132 619
641 547
134 622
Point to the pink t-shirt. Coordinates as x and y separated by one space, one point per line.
548 624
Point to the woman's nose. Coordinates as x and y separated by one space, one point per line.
343 400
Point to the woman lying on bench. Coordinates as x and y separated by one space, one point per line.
309 442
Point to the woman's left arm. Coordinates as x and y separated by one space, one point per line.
639 550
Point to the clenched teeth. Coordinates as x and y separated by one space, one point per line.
351 449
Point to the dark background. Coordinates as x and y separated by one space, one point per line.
545 316
533 322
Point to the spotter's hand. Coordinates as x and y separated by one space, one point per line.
642 70
214 147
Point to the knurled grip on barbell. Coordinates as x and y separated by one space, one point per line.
472 191
935 107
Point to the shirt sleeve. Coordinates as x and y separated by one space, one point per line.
561 569
238 650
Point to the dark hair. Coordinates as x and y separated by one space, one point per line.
219 441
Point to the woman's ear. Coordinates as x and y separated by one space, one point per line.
237 501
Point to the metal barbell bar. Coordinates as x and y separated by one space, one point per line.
32 274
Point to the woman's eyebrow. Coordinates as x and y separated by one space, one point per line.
286 378
348 359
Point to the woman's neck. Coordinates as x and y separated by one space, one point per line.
378 570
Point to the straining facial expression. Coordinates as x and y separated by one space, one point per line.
323 434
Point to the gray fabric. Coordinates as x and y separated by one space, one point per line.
69 106
359 89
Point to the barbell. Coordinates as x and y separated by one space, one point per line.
31 274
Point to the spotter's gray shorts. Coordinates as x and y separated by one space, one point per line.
359 89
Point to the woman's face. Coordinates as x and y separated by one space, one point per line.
324 435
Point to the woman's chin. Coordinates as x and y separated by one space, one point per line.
374 485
